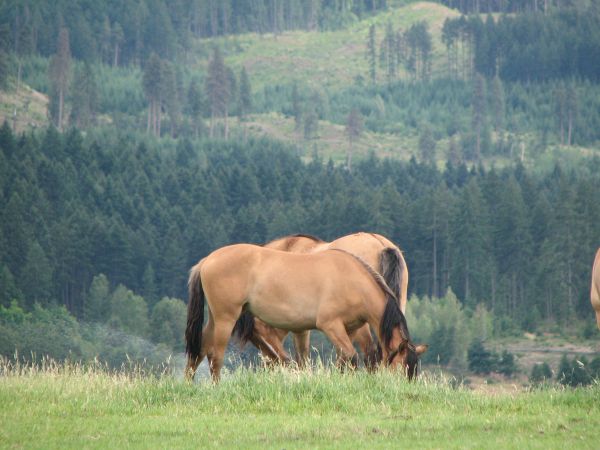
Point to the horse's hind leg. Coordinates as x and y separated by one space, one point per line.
302 344
207 339
216 354
336 332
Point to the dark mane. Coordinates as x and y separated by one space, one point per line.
392 316
392 267
376 276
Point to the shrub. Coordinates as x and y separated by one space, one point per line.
481 361
540 373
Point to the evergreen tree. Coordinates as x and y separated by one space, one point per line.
478 112
372 55
167 322
498 103
152 82
354 128
60 74
9 292
540 373
4 61
85 97
128 312
427 145
169 94
481 361
96 306
218 90
195 106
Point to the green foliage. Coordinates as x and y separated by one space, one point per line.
506 364
96 306
441 323
540 374
578 371
168 321
128 312
481 361
43 331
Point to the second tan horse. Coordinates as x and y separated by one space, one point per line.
376 250
332 291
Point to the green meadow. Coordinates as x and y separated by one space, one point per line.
70 406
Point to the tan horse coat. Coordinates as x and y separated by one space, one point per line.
331 291
370 247
595 291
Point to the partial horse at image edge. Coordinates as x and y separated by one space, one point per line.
595 290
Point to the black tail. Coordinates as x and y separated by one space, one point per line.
195 319
391 267
244 328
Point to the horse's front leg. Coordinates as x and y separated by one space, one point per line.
337 334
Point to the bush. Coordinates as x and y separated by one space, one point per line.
481 361
443 324
577 372
540 374
507 365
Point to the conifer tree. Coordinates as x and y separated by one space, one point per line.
354 128
152 82
195 105
478 112
60 74
96 305
372 55
4 66
85 97
245 97
217 88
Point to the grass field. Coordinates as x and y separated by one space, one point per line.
72 407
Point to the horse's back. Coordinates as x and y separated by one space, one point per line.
595 290
297 243
364 245
290 290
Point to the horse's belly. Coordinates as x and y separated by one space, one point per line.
294 314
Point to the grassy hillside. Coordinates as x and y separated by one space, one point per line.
69 407
29 105
331 60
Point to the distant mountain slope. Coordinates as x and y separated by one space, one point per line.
29 105
331 59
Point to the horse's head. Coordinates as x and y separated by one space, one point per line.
406 358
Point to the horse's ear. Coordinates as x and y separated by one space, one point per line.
421 348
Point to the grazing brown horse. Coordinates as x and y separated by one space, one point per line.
376 250
332 291
595 292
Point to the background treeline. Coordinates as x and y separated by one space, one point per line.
529 47
518 242
512 6
125 32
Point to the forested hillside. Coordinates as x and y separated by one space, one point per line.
140 135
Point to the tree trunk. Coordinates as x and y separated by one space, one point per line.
149 117
435 291
60 108
116 57
349 157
